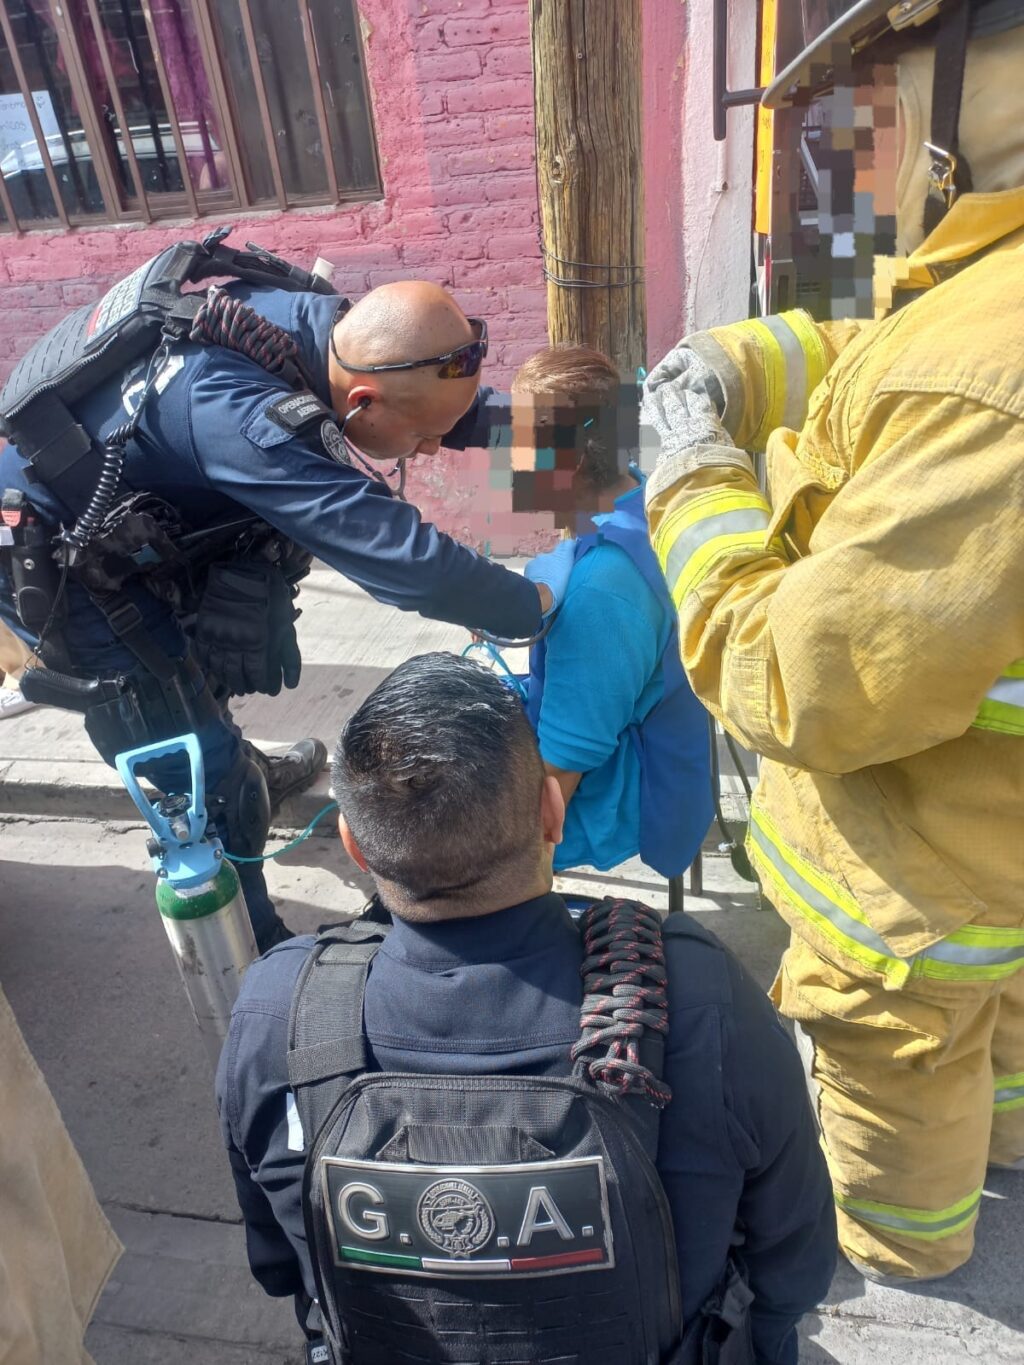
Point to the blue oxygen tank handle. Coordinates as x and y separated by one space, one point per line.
195 815
182 855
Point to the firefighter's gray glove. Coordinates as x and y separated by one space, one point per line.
680 421
675 416
686 367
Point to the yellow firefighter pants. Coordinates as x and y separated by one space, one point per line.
916 1091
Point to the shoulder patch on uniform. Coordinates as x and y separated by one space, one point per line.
296 411
334 442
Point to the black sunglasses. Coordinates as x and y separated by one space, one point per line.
462 363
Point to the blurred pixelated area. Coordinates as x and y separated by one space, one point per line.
562 457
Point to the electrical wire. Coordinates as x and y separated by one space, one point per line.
716 784
55 604
741 773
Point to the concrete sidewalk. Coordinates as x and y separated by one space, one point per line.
349 643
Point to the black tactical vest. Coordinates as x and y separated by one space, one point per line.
38 401
498 1220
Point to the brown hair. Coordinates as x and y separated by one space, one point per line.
589 380
572 371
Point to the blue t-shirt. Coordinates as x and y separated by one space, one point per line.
602 676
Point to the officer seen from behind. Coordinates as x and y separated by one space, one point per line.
515 1144
176 502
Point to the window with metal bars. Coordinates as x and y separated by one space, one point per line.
135 110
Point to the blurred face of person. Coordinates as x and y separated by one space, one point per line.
564 456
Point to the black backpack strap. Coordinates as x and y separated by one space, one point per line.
254 265
326 1040
949 175
624 1019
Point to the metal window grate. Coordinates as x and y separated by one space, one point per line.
136 110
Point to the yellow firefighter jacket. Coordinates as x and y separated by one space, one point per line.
862 627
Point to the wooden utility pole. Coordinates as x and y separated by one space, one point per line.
587 81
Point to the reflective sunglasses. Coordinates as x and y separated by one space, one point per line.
462 363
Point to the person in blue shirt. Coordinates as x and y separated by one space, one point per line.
222 436
617 722
480 974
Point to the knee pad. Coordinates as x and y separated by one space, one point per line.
239 808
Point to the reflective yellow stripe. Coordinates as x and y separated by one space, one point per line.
819 900
695 509
815 354
977 952
1009 1093
712 525
771 343
793 363
974 953
1003 707
927 1225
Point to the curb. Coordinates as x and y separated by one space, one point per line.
32 789
89 791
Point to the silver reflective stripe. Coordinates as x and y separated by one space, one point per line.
959 954
845 923
944 951
1010 691
795 404
719 524
1006 1093
895 1221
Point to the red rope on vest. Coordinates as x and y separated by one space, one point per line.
226 321
624 984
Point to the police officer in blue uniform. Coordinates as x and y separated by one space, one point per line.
259 435
482 975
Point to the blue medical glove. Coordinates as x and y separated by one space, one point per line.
553 570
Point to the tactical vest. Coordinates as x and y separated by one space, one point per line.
672 742
98 341
499 1219
120 535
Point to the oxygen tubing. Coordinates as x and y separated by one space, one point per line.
277 853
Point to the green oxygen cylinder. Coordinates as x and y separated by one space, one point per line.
198 893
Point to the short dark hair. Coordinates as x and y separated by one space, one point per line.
439 778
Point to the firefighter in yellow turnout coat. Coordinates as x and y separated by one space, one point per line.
862 627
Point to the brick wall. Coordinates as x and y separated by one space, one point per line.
452 101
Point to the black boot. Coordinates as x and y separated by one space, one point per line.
291 773
277 932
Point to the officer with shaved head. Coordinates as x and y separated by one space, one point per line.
272 424
403 410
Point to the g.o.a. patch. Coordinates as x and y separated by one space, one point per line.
531 1218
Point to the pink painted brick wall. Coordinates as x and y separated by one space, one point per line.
452 102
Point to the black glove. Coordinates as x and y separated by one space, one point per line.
245 628
295 563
